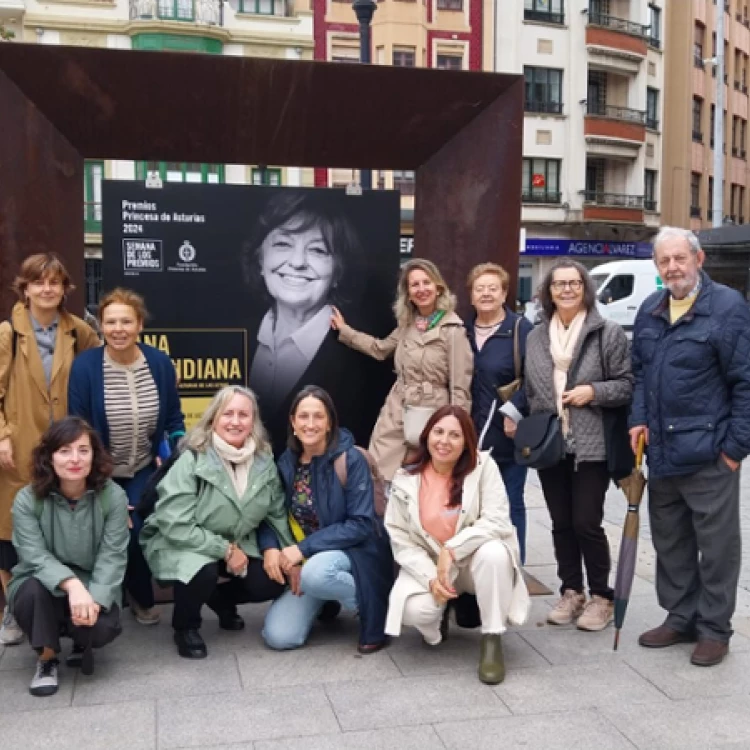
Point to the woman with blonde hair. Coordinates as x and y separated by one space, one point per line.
37 347
127 391
203 528
433 360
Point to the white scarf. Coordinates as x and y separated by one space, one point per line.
237 461
562 344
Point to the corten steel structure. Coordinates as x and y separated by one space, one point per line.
461 132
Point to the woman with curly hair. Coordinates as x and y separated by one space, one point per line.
433 359
70 530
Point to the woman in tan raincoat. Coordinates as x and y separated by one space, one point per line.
37 347
433 360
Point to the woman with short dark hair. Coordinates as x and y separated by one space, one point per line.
339 538
70 529
451 533
578 364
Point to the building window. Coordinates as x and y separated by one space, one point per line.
266 176
697 117
403 57
654 19
652 108
263 7
93 172
541 181
93 272
695 195
403 181
711 124
173 171
547 11
698 42
449 62
176 10
743 138
649 190
345 49
450 4
543 90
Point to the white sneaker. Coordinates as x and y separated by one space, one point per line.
10 633
567 609
44 682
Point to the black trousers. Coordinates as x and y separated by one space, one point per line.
575 499
222 598
44 618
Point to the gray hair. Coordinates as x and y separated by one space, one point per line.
199 437
672 233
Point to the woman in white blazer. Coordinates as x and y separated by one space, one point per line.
449 522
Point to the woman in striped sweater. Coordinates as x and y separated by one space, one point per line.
128 392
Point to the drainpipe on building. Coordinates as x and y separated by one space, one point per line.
717 209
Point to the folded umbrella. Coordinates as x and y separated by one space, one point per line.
633 487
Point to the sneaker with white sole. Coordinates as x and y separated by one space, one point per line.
44 682
597 614
10 633
567 609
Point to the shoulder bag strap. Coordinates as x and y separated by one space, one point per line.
601 353
451 355
516 349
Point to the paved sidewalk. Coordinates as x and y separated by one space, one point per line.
564 688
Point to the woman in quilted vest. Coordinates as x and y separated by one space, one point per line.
577 364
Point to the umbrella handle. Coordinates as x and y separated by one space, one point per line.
639 450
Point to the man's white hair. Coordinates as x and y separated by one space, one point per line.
670 233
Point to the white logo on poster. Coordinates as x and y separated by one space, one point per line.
186 255
187 252
141 255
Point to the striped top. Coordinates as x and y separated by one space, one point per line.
131 403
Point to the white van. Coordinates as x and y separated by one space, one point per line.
622 285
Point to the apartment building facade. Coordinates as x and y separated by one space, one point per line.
690 111
256 28
592 161
447 34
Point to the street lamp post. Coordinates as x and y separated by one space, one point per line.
364 10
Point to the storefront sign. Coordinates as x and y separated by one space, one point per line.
587 248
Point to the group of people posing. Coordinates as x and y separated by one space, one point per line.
430 518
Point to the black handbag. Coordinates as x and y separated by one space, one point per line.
620 457
539 441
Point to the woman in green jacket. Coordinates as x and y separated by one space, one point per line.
70 529
201 537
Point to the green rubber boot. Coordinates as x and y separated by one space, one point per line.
491 660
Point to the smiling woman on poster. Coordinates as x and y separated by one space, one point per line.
303 257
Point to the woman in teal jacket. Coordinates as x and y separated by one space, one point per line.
202 535
70 529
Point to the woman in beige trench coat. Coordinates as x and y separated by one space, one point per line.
37 347
433 359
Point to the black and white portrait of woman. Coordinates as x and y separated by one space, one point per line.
304 256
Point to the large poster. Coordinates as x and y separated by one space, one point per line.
239 281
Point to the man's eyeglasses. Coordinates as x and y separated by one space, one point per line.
575 285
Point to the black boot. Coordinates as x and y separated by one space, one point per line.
491 660
230 620
190 645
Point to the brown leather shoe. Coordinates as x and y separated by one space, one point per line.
664 636
709 652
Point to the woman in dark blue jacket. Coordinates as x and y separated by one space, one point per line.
492 336
342 543
127 392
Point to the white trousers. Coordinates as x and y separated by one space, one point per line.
488 573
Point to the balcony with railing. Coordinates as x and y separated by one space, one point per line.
204 12
617 34
615 126
543 16
616 207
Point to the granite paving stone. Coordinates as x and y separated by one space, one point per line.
400 738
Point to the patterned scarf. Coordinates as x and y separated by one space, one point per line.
562 344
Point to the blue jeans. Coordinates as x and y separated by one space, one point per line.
325 577
514 478
137 573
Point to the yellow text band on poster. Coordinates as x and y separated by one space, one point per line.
206 359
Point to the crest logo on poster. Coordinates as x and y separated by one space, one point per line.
186 252
142 255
